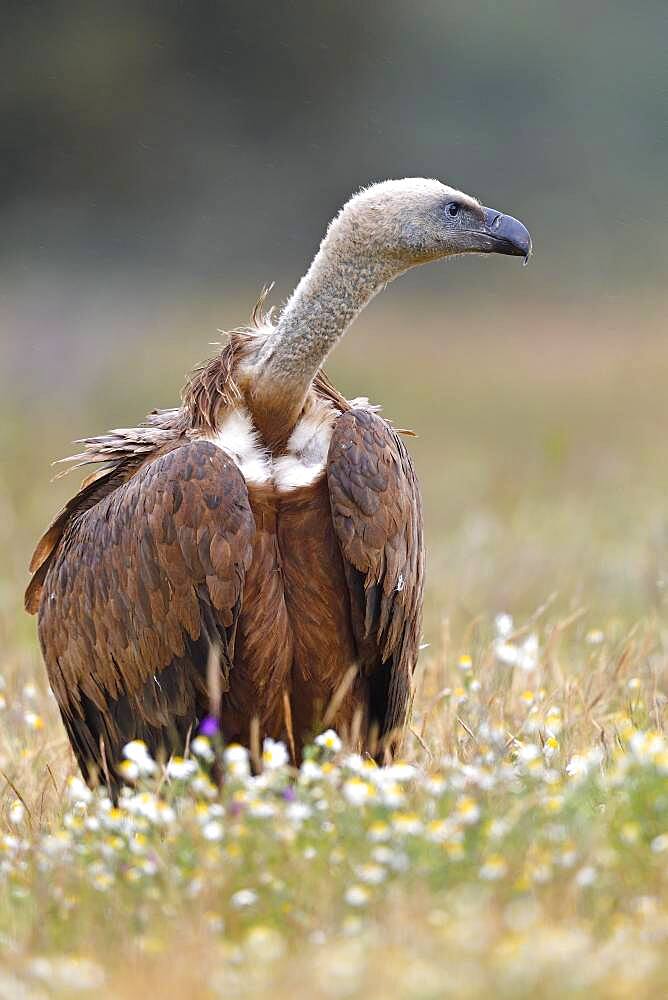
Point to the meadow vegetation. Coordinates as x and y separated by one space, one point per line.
520 845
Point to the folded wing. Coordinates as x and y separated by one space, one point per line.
377 515
139 590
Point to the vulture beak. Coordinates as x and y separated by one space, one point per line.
508 235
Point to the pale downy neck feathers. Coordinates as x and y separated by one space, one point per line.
346 273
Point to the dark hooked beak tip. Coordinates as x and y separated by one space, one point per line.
508 235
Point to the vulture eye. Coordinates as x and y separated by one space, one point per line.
452 208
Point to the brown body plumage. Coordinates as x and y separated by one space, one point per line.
267 530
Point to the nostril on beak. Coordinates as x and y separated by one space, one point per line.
507 235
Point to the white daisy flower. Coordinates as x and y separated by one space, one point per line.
585 877
201 747
503 623
264 944
329 740
493 868
17 812
243 898
309 772
181 769
660 843
467 810
78 791
407 823
357 895
237 761
274 754
357 792
213 830
297 812
137 752
371 874
128 770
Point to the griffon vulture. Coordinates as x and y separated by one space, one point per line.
267 521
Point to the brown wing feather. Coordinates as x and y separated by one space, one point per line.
139 588
91 492
377 513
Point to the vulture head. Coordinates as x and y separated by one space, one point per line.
408 222
379 234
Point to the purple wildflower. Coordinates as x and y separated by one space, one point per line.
209 726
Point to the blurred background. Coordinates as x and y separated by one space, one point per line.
160 162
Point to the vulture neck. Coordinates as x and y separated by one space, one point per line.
342 279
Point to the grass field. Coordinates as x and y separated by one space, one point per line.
521 846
